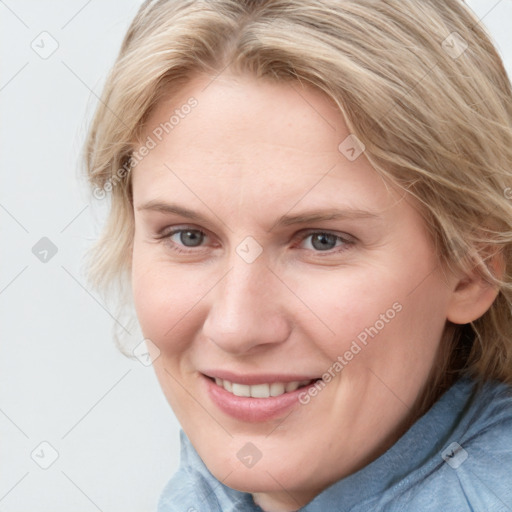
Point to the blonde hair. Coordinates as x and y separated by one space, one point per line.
418 82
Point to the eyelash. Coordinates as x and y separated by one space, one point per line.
346 240
166 237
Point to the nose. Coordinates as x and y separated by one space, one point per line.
247 309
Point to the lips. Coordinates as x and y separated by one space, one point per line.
255 398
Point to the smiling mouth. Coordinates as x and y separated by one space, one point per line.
255 398
261 390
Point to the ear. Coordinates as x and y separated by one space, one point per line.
473 295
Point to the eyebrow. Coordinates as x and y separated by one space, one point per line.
158 206
323 215
284 220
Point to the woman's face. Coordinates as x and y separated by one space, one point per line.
267 256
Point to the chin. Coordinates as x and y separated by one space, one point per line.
270 474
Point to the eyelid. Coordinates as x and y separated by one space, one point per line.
172 230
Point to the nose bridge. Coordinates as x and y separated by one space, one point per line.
246 308
246 292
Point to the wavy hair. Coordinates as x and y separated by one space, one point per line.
418 82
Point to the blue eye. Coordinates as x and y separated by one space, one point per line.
324 241
188 237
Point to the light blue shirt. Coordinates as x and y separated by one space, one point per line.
455 458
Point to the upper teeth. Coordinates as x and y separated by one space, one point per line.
260 390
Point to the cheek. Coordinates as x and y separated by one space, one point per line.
168 299
343 305
374 315
155 292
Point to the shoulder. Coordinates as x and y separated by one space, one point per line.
486 435
473 469
484 467
492 401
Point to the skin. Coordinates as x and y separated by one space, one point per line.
249 153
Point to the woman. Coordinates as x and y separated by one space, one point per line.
309 200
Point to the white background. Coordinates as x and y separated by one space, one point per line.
61 378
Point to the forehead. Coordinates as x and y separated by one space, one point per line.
248 139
